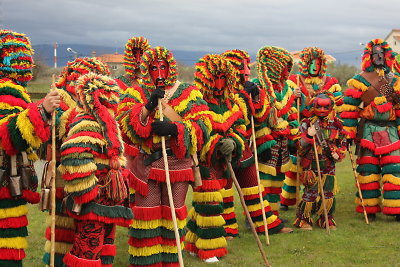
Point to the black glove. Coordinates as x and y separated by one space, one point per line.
292 150
251 88
153 101
164 128
265 155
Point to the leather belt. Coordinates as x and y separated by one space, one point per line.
155 156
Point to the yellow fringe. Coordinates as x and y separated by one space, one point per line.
335 88
243 107
62 222
86 139
170 224
191 237
84 184
380 100
60 247
18 88
14 212
194 94
91 166
329 203
347 107
214 243
286 167
228 210
233 226
250 191
393 203
171 249
369 178
274 206
13 242
264 108
257 206
206 147
271 183
207 197
390 178
290 182
357 85
288 195
313 80
308 209
131 191
27 130
192 214
266 169
145 251
226 192
262 132
370 202
210 221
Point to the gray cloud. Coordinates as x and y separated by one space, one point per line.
207 25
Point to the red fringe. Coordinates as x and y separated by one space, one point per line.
212 150
62 235
391 187
370 186
292 117
209 185
353 93
367 144
369 210
159 264
390 159
144 242
6 143
87 197
95 217
368 160
73 261
31 197
109 250
287 201
191 247
387 149
273 190
349 115
251 197
383 108
231 231
291 175
181 213
12 254
147 213
178 143
259 211
144 131
229 216
228 199
14 101
172 241
206 254
131 150
273 224
137 184
74 149
60 193
42 129
175 175
391 211
14 222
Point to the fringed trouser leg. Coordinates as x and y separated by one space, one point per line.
288 195
391 182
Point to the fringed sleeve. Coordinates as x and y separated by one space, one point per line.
78 165
22 126
349 111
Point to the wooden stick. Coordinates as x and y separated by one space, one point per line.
298 160
353 165
168 182
321 186
260 188
53 182
253 229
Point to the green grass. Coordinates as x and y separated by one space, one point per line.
353 244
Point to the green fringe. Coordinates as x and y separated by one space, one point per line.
210 233
228 205
15 135
289 188
204 171
368 169
11 203
6 263
14 232
58 259
146 260
107 259
207 209
352 101
370 193
390 168
150 233
252 201
230 221
273 198
391 195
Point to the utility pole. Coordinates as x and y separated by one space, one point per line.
55 55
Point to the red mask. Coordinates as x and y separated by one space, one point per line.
244 70
219 84
284 75
158 71
322 106
315 67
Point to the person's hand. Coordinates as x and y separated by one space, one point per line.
164 128
335 155
311 131
251 88
153 101
226 147
51 101
297 92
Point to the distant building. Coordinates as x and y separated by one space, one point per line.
114 61
393 39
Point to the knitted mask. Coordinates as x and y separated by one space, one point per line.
76 69
215 76
240 60
134 49
152 55
323 104
16 61
389 56
312 62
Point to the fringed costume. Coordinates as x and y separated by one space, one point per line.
258 107
311 79
331 148
23 127
371 116
278 131
152 241
91 165
65 85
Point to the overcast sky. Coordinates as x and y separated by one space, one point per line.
337 26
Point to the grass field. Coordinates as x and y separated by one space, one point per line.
353 244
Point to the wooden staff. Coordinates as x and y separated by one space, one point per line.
53 182
298 159
253 229
171 200
321 186
353 165
260 189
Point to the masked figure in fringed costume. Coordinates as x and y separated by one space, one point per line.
277 134
186 127
396 65
326 129
66 86
311 79
257 106
134 49
371 115
91 166
24 126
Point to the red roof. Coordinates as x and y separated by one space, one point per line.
112 58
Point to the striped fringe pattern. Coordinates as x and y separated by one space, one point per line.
231 226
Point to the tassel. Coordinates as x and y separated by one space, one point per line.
114 185
308 178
